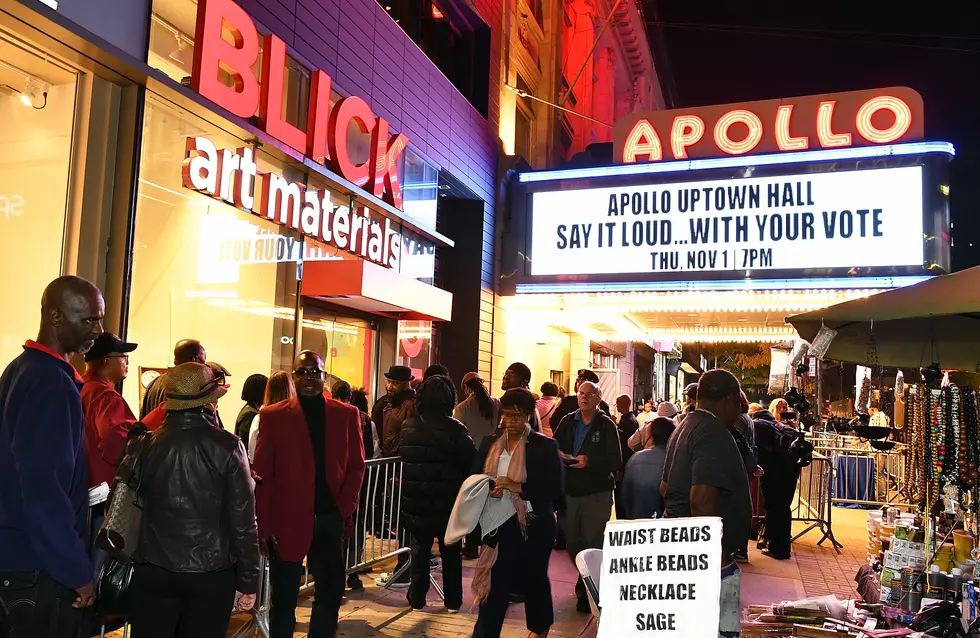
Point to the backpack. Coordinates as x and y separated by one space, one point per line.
790 444
794 444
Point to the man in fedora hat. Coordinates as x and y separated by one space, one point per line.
400 406
310 455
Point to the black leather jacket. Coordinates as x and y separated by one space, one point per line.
198 503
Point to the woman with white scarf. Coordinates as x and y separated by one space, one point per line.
527 478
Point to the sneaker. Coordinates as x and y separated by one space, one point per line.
450 610
517 599
740 556
433 564
354 582
384 580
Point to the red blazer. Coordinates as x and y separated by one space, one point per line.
284 461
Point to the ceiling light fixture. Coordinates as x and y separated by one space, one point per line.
35 93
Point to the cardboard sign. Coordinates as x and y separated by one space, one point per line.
661 578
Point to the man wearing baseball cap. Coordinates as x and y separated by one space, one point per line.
107 420
107 416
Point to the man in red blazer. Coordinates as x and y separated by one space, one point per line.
310 460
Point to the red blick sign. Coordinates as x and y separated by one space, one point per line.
813 122
228 42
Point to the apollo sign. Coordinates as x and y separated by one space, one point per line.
856 118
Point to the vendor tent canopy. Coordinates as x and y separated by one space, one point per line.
937 320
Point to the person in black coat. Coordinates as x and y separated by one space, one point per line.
523 543
437 453
779 481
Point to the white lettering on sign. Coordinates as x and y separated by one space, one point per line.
817 220
233 177
661 577
11 206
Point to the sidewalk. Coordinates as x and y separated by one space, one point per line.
813 571
376 612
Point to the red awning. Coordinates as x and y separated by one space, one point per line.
373 288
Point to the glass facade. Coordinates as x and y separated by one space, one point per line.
37 111
203 269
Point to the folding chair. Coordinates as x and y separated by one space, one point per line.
589 564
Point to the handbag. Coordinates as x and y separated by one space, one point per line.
113 587
119 535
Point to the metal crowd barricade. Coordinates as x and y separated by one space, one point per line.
813 500
377 537
866 476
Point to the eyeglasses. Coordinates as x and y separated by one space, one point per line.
308 372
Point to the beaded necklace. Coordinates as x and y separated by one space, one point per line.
936 433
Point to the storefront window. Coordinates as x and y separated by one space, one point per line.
347 345
37 111
420 191
414 345
203 269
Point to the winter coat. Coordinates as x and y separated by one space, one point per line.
437 453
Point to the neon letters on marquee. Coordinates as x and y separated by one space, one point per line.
325 140
233 177
856 118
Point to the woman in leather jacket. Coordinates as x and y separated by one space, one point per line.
198 542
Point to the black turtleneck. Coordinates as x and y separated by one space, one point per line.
315 414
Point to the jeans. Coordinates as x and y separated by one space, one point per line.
452 569
327 566
166 604
33 605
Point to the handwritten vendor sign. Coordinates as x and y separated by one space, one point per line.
661 578
844 219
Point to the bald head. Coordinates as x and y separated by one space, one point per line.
71 315
189 351
589 397
308 374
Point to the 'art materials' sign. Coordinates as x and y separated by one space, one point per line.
848 219
661 578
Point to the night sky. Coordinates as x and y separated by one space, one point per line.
739 50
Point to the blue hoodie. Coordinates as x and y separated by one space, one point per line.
43 469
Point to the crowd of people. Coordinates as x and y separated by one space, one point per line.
503 481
